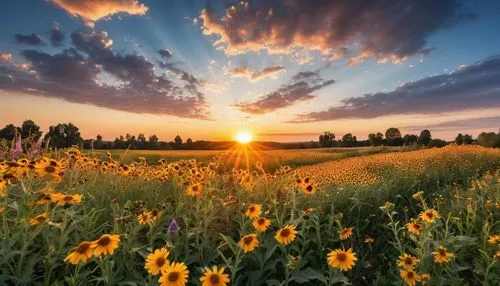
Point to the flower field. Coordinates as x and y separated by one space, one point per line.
426 217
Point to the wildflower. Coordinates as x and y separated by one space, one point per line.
195 190
254 210
410 277
418 195
154 214
39 219
63 200
286 235
175 274
309 189
425 278
388 206
214 277
249 242
261 224
144 218
342 259
407 261
82 253
345 233
308 211
106 244
429 215
441 255
157 261
414 227
173 227
369 240
494 239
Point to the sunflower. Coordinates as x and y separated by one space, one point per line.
441 255
144 217
157 261
425 278
286 234
494 239
254 210
418 195
63 200
106 244
82 253
307 212
369 240
214 277
345 233
41 218
407 261
175 274
261 224
429 215
249 242
48 169
195 190
410 276
154 214
342 259
308 189
414 227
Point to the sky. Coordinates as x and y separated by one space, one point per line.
284 70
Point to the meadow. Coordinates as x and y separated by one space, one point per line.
311 217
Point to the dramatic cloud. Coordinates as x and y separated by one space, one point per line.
468 87
33 39
56 35
462 124
94 10
384 29
256 75
5 57
300 89
90 72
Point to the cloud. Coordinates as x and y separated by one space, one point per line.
461 124
468 87
56 35
94 10
5 57
165 53
256 75
90 72
32 39
300 89
383 29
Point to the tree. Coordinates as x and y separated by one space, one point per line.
459 140
376 139
424 138
410 139
348 140
153 142
63 135
437 143
29 128
9 132
189 141
393 137
489 139
119 143
327 139
468 139
178 140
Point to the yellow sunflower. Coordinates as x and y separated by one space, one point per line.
261 224
195 190
249 242
441 255
286 234
82 253
214 277
414 227
369 240
175 274
407 261
308 189
342 259
345 233
429 215
144 217
63 200
254 210
410 277
157 261
494 239
41 218
106 244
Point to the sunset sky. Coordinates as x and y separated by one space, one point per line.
285 70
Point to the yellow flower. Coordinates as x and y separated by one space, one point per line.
407 261
410 277
261 224
144 218
249 242
254 210
418 195
429 215
308 189
157 261
342 259
106 244
308 211
175 274
441 255
414 227
369 240
345 233
214 277
41 218
286 234
494 239
82 253
425 278
63 200
195 190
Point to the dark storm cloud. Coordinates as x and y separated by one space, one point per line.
384 29
32 39
56 35
468 87
90 72
300 89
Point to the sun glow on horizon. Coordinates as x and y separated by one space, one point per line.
244 137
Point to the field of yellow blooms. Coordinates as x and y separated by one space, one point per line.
426 217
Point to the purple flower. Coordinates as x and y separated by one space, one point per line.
16 150
173 228
35 150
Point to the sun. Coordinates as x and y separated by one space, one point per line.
244 137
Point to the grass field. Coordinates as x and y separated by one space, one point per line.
389 218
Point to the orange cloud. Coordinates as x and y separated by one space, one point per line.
94 10
5 57
253 75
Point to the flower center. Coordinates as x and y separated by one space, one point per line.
104 241
410 274
341 257
285 232
82 248
68 198
252 209
408 261
248 240
442 252
50 169
261 221
214 278
173 276
160 261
